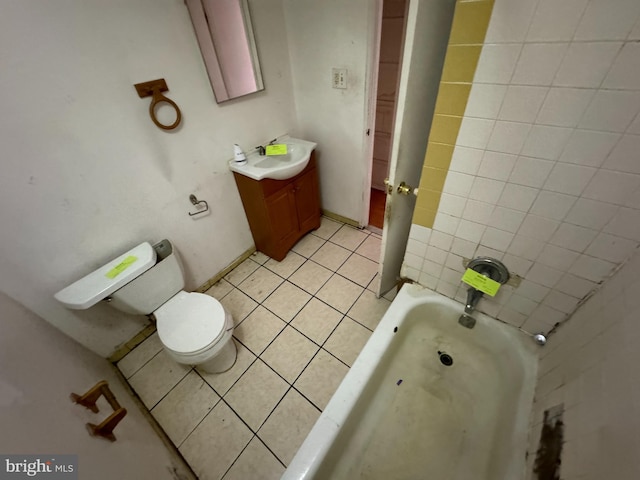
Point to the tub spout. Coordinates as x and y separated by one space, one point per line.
473 296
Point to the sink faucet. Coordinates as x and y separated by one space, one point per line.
473 296
262 150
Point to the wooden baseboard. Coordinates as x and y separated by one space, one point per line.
342 219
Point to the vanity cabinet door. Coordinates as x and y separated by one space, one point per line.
281 208
307 201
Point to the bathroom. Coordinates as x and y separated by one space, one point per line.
86 172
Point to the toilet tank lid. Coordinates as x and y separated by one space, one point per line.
102 282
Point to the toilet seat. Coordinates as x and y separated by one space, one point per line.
189 323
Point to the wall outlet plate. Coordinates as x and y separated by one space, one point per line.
339 77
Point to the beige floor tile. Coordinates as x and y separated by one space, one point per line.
359 269
289 353
374 285
256 394
311 276
289 424
347 340
184 407
340 293
317 320
255 463
238 304
215 443
308 245
259 329
349 237
287 301
259 257
369 310
370 248
321 378
135 359
331 256
260 284
242 271
222 382
287 266
327 228
219 289
156 378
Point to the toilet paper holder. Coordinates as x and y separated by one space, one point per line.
153 89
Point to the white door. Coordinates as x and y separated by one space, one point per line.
427 34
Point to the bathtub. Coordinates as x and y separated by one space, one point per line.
400 413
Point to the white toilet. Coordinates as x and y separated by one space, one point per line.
194 328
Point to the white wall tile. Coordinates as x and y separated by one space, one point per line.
538 63
557 257
612 187
591 213
441 240
573 237
428 280
575 286
445 223
611 248
452 204
509 21
603 20
591 268
506 219
496 165
624 157
561 301
450 276
435 254
569 178
547 315
626 224
624 72
517 265
544 275
458 183
416 247
470 231
611 111
556 21
508 137
518 197
532 290
484 251
634 128
409 272
413 261
476 211
466 160
589 147
512 317
536 324
474 132
432 268
564 107
633 200
521 304
546 142
464 248
486 190
522 103
454 262
485 100
496 239
526 247
420 233
552 205
586 64
537 227
496 63
531 172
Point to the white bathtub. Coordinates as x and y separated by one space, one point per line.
401 414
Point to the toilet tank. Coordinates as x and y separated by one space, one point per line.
154 287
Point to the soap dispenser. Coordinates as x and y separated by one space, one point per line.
238 155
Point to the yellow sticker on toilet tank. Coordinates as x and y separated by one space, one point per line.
480 282
277 149
121 267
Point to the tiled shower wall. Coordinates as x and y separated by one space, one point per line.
542 169
591 367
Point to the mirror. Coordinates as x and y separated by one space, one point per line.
225 36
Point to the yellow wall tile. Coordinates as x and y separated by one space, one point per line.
460 63
429 199
432 178
452 98
424 217
444 129
470 22
438 155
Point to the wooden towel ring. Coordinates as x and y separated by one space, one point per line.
153 89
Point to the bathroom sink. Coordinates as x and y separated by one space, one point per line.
277 167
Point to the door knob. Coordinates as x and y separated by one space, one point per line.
405 189
388 186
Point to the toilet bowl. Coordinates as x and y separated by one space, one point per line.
194 328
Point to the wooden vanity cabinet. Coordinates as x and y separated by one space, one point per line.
280 212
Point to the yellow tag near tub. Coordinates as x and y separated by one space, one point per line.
277 149
480 282
121 267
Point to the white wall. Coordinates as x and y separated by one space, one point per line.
591 366
86 175
323 35
40 368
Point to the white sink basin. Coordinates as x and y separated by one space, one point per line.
277 167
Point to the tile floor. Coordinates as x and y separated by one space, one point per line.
300 324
